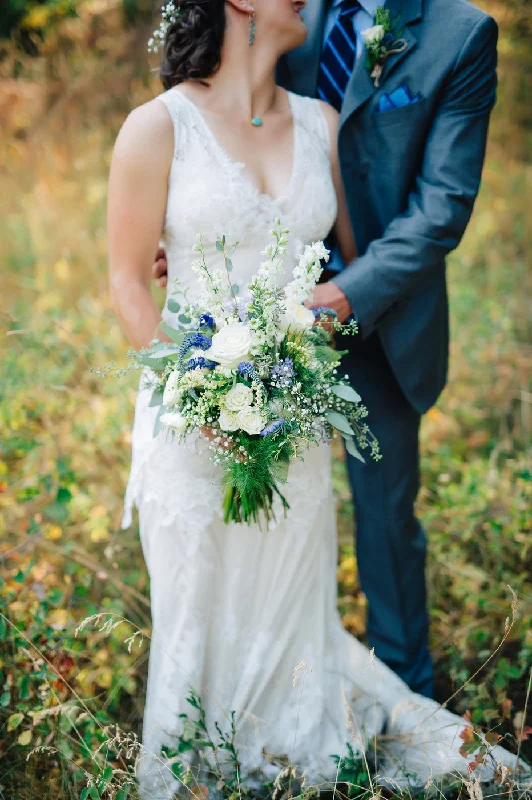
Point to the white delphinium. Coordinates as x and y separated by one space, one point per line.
172 393
215 295
307 273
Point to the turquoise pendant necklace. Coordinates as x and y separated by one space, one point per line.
256 122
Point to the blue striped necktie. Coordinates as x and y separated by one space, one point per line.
338 56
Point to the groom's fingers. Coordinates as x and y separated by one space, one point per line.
160 269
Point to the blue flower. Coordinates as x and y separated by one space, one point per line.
206 321
247 370
283 372
274 426
202 363
194 340
327 312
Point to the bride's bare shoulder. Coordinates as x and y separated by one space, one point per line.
147 131
331 114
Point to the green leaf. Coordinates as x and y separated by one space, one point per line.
156 398
229 264
94 793
5 699
3 628
219 246
167 352
84 793
23 685
346 393
158 426
183 319
175 336
107 774
235 288
351 448
122 793
173 306
14 721
327 354
339 422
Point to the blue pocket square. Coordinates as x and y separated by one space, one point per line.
400 97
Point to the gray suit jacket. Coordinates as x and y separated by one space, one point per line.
411 175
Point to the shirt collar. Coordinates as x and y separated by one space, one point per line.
369 6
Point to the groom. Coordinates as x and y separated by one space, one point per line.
411 150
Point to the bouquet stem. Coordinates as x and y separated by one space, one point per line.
251 507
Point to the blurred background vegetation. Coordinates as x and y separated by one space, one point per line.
70 71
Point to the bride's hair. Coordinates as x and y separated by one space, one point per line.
193 42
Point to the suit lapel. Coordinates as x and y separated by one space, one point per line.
361 87
304 62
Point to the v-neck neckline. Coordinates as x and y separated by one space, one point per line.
241 166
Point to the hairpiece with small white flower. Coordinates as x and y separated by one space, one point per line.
170 13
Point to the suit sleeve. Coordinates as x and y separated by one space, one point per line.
441 202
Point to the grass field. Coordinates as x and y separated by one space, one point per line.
65 434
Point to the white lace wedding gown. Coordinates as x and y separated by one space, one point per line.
235 609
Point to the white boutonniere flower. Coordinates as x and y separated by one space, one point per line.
373 35
382 40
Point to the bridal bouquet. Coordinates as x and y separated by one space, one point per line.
254 371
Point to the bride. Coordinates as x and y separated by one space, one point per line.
245 617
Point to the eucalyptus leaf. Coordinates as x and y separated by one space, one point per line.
219 246
152 362
235 288
184 319
157 428
166 352
175 336
229 264
339 422
156 398
173 306
346 393
352 450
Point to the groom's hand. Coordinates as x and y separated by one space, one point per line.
330 295
160 268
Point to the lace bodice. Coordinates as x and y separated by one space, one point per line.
209 193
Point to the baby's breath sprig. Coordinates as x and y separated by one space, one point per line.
170 13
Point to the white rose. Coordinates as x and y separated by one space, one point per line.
296 316
227 420
373 35
230 345
172 393
250 420
238 397
174 420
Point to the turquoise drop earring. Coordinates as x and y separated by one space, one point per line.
252 29
255 121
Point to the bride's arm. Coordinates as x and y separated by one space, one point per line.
329 294
138 187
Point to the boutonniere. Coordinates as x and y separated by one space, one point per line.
382 40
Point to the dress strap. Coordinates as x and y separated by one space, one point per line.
308 113
179 112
